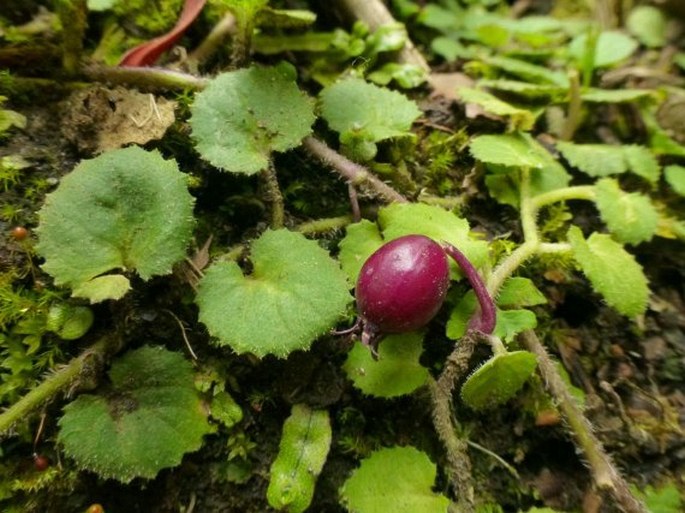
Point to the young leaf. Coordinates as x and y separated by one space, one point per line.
613 272
361 240
224 409
606 160
630 217
245 115
520 119
302 453
611 48
675 177
354 106
498 379
127 210
614 95
515 150
518 291
295 293
151 417
397 370
649 25
397 479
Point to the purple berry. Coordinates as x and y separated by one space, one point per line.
401 287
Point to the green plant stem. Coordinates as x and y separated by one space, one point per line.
323 225
63 379
73 17
354 173
575 104
273 196
154 79
579 192
451 203
216 37
604 473
458 462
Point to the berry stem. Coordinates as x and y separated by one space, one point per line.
485 322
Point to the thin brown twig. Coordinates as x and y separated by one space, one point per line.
352 172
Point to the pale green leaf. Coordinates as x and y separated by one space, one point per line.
612 271
397 370
525 89
594 159
295 293
361 240
498 379
397 479
358 107
611 48
520 119
70 322
516 150
517 291
224 409
302 453
243 116
649 25
512 322
595 95
127 209
663 499
675 177
101 288
527 71
145 422
630 217
399 219
100 5
642 162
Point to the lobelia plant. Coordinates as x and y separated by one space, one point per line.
128 214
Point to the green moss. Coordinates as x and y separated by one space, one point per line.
153 17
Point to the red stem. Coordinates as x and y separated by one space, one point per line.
485 322
147 53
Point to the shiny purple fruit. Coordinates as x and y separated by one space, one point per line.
401 286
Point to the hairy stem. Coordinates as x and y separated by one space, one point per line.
273 196
604 473
60 381
578 192
352 172
323 225
458 461
217 36
146 78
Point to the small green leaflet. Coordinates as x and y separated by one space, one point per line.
675 177
606 160
126 210
506 155
70 322
302 453
519 119
147 421
649 25
595 95
509 322
361 240
295 293
527 71
611 48
518 291
631 217
612 271
397 370
224 409
498 379
245 115
397 479
363 112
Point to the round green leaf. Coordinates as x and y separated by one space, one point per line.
498 379
611 48
361 240
150 417
245 115
397 370
397 479
127 209
295 293
354 105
